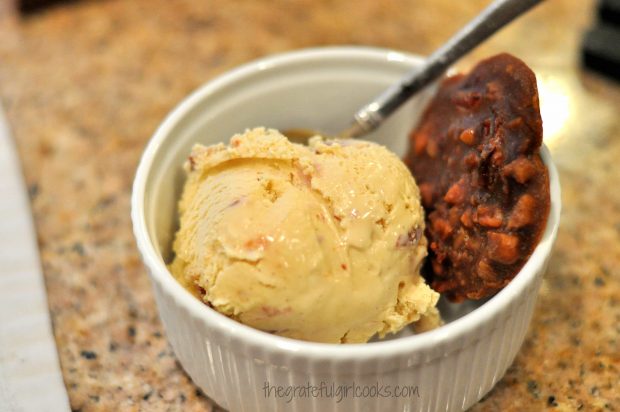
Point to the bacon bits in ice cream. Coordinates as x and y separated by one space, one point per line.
321 242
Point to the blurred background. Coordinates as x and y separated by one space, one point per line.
85 83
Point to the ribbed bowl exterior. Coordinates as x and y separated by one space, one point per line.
450 377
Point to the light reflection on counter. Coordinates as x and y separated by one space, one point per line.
574 111
555 107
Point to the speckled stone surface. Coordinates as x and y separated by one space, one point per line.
84 86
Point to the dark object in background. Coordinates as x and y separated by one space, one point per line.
601 44
609 12
33 6
601 50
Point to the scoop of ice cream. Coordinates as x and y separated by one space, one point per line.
321 242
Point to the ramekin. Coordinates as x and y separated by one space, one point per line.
244 369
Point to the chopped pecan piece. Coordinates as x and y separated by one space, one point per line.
503 248
468 137
490 216
523 213
456 194
521 169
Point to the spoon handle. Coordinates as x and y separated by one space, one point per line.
494 17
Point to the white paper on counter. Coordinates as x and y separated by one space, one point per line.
30 377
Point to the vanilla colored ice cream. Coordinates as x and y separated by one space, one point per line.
321 242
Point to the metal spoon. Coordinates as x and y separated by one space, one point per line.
372 115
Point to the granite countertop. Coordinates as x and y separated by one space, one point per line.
85 84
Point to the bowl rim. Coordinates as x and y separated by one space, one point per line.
376 350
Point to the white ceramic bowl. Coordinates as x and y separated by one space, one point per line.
241 368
